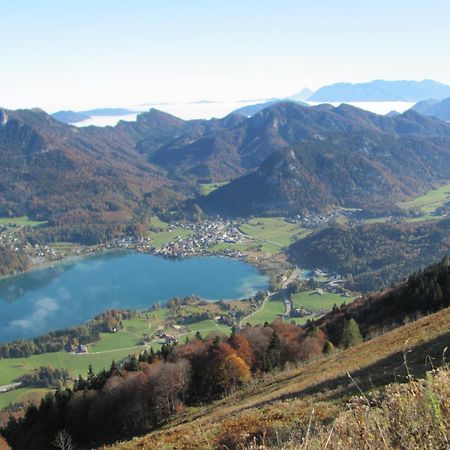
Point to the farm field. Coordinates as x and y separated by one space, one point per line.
131 334
11 368
272 309
22 395
204 327
160 238
316 302
274 230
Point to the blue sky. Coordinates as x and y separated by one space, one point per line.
82 54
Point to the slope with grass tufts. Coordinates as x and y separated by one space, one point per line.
279 410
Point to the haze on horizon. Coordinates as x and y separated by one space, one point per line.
81 55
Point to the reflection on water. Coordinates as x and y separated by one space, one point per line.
73 292
15 287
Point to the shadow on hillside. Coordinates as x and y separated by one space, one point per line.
419 359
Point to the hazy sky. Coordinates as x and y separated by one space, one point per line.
86 53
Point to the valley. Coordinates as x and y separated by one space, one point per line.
285 219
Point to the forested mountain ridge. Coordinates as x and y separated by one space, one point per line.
56 172
353 170
375 255
423 292
52 171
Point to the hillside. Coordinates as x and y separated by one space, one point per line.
375 255
279 409
381 91
434 108
354 170
52 171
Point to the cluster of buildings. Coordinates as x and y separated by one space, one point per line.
200 242
317 220
14 240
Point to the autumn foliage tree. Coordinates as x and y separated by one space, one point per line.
147 390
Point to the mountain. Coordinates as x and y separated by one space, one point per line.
70 116
225 152
108 112
251 110
376 255
381 91
336 157
303 95
91 177
435 108
56 172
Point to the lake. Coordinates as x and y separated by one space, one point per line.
73 292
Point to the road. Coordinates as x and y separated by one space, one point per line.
9 387
252 238
287 303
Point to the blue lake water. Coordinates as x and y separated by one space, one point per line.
73 292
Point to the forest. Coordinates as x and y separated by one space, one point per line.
374 255
11 261
424 292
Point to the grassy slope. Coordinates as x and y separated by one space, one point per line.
272 309
287 399
19 222
160 234
428 203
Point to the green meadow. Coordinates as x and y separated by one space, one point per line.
428 203
23 221
273 232
272 309
315 302
164 235
207 188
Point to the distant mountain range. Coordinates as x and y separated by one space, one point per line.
303 95
381 91
435 108
75 117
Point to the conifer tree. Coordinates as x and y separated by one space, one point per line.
351 335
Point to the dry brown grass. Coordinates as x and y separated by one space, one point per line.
279 408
